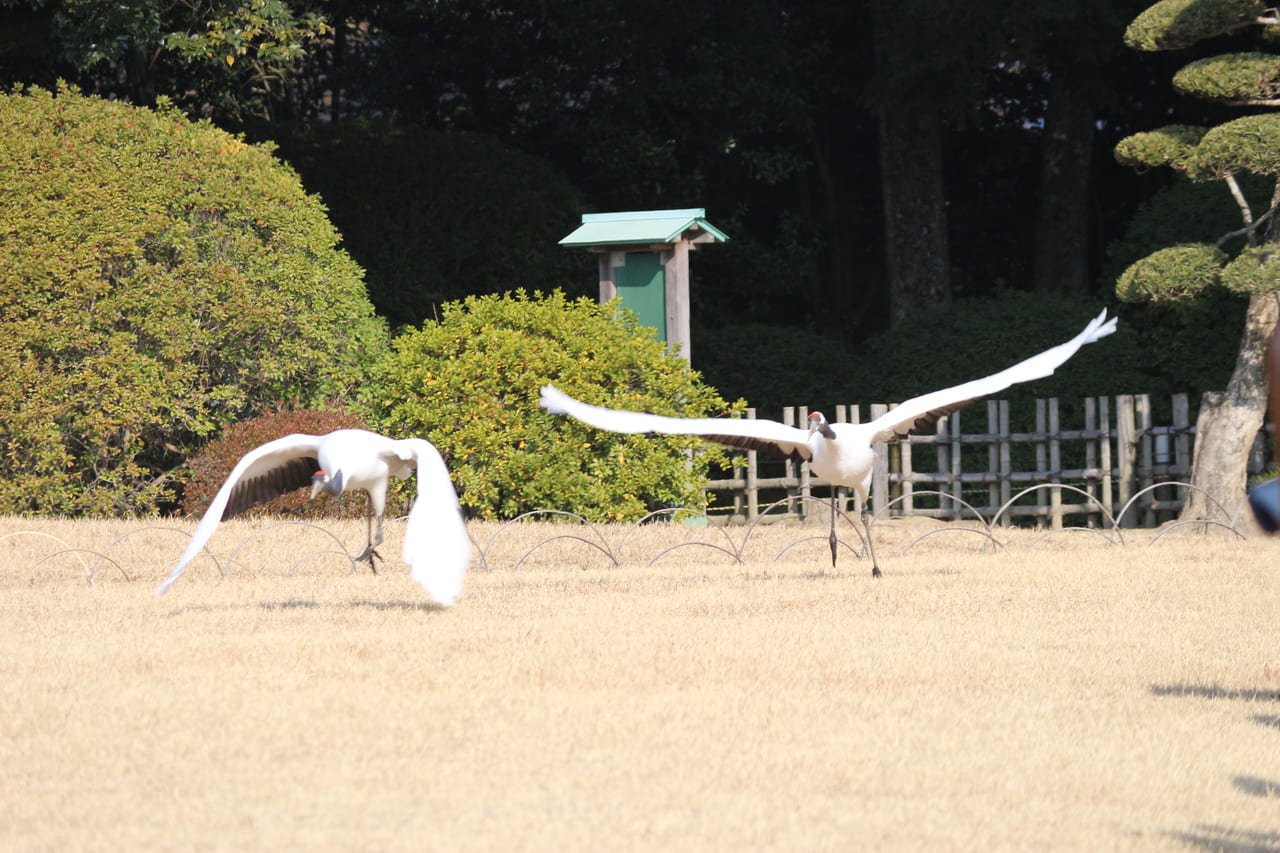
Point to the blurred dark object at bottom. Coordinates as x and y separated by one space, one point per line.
1264 500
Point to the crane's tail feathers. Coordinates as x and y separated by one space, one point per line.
436 545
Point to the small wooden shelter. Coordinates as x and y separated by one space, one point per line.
644 260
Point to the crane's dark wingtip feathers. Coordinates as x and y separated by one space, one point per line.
746 442
288 476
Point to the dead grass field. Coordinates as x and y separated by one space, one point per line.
1072 696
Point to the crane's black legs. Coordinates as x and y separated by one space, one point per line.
866 525
373 538
832 537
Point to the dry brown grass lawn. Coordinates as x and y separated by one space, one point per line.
1071 696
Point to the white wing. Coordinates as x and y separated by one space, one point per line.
436 545
926 409
268 471
735 432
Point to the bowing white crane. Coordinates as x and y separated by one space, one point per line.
436 545
839 453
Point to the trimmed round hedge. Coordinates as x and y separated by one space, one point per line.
159 279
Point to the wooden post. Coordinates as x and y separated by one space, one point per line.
1091 457
855 417
993 452
1006 458
946 463
842 416
609 263
1055 466
880 470
1181 444
1104 452
1126 454
675 263
1042 461
789 466
957 490
806 474
1142 427
907 506
752 474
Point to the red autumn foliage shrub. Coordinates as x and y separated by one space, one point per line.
207 470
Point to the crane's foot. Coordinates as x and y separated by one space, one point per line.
875 571
368 556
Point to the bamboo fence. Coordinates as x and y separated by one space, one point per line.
1084 474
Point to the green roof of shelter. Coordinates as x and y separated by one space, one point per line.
642 226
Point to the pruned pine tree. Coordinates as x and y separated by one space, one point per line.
1243 259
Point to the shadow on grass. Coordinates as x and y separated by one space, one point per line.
307 604
1271 720
1215 691
1255 786
1224 839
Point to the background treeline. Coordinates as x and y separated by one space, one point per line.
915 193
775 116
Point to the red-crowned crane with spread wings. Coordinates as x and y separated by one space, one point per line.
839 453
436 545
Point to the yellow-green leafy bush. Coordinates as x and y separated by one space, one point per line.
158 279
470 385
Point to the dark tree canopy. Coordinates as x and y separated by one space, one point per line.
770 116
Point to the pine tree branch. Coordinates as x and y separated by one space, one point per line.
1249 229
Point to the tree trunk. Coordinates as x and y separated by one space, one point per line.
918 252
1229 421
1062 226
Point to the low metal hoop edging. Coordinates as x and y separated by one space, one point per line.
1120 516
101 557
802 498
986 524
303 559
484 552
737 558
737 552
1102 509
603 549
1034 542
986 534
917 493
62 542
857 554
232 556
123 536
1206 521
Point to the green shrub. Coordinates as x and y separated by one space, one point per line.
470 384
208 469
158 279
1176 273
1252 271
